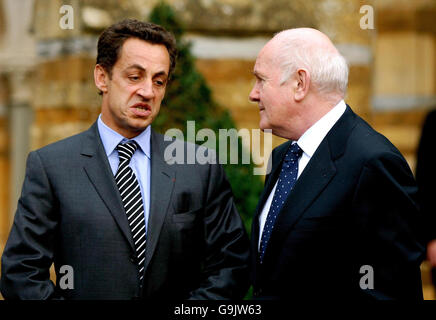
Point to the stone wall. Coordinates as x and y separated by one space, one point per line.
404 78
242 27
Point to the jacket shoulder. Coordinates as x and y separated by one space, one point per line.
370 145
63 148
176 150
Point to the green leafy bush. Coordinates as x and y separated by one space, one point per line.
189 98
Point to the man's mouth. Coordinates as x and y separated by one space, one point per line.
141 109
142 106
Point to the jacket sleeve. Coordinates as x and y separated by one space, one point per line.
426 175
388 229
28 253
225 267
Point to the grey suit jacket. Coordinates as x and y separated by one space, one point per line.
70 213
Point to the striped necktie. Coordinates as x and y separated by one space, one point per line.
132 200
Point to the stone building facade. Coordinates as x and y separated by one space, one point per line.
46 70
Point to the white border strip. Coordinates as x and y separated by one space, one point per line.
226 47
355 54
249 48
403 102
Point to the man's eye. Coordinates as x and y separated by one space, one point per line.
159 83
134 78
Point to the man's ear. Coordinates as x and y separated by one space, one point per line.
101 78
302 78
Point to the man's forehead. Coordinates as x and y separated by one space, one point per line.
263 60
144 50
139 54
135 66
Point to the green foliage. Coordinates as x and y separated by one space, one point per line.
188 97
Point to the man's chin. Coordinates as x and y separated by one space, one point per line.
134 128
140 123
264 125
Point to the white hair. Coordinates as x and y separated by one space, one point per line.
328 69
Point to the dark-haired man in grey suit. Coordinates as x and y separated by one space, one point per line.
106 204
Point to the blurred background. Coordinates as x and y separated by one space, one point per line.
48 50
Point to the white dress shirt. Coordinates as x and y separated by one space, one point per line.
308 142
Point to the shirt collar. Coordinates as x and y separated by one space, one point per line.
313 136
110 138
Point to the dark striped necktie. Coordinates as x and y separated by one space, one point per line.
132 200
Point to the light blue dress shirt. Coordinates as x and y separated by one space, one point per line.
140 162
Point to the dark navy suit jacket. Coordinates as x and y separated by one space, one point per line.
354 205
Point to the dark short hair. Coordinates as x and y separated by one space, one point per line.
112 39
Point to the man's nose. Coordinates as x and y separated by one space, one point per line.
254 95
146 91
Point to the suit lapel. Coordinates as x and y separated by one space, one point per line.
277 158
271 179
99 172
315 177
162 182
